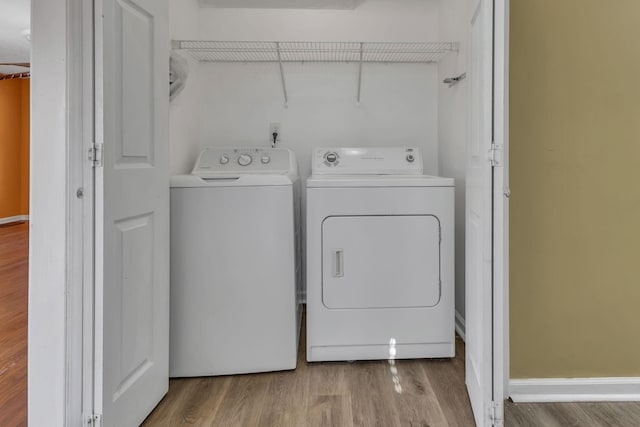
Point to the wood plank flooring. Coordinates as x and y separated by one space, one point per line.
316 394
14 292
336 394
362 394
610 414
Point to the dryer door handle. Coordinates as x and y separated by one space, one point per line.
338 263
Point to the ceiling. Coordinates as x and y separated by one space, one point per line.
282 4
12 69
14 27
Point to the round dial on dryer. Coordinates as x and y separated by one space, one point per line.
224 160
265 159
331 158
244 159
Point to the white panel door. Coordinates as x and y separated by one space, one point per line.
478 316
381 261
132 209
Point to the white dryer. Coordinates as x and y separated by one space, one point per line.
380 256
235 268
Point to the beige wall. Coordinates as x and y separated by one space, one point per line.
575 180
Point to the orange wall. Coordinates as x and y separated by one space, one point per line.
14 148
26 145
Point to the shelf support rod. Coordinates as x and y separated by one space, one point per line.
360 72
284 86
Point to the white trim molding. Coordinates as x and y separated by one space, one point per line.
460 328
575 390
17 218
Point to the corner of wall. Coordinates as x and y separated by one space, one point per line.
185 107
452 124
184 123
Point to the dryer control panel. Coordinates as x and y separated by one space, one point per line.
249 160
367 161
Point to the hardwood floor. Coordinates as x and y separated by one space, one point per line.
316 394
623 414
336 394
363 394
14 259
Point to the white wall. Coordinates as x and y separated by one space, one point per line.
455 18
184 123
48 257
374 20
233 104
184 117
183 19
398 107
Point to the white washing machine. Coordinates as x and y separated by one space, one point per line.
380 256
235 268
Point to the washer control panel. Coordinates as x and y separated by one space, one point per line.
226 161
367 161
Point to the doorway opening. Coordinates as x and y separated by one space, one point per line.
14 211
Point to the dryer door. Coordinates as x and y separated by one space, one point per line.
380 261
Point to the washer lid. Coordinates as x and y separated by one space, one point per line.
346 181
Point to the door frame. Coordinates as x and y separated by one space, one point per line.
61 211
60 274
501 195
81 135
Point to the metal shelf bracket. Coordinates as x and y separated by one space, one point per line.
452 81
360 73
284 86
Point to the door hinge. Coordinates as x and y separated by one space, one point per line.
496 414
95 154
94 420
495 155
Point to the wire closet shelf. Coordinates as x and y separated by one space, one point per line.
287 52
385 52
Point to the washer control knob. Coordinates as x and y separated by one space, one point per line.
410 158
265 159
224 160
244 159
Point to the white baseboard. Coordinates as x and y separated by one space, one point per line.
11 219
575 390
460 328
